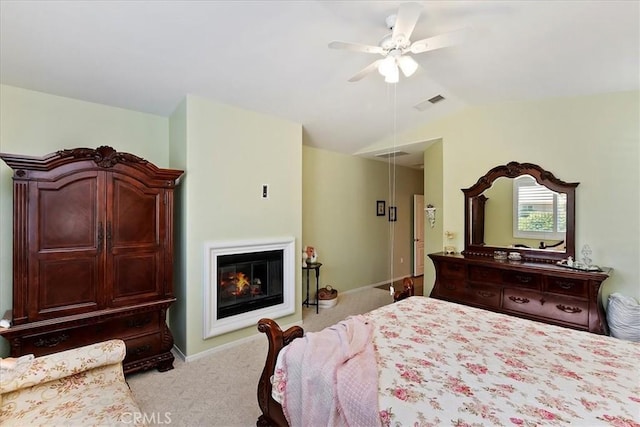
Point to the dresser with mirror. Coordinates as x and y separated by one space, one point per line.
519 232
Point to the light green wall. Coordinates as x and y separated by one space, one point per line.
339 218
178 160
230 154
434 237
37 124
593 140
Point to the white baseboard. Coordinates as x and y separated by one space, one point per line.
228 345
374 285
178 353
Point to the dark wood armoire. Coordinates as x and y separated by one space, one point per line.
92 254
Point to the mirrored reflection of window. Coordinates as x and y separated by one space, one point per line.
538 212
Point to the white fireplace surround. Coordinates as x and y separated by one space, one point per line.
214 326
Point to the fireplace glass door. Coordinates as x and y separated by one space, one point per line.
249 281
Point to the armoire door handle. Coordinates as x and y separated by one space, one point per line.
109 236
100 236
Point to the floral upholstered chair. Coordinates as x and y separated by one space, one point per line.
80 387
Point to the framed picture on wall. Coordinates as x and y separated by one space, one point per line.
380 208
393 213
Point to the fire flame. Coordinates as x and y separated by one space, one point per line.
241 281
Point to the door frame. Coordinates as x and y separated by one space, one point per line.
418 235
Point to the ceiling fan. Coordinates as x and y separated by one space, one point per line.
397 47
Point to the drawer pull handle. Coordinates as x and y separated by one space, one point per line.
138 323
524 279
486 294
568 309
565 285
519 300
139 350
51 341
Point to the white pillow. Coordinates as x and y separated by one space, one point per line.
623 316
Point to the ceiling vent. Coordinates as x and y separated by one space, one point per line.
425 104
391 154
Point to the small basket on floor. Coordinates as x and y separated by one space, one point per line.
327 297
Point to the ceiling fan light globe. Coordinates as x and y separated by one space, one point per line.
392 79
393 76
408 65
387 66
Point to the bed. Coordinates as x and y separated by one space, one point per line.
440 363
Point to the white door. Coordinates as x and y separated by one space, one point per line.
418 235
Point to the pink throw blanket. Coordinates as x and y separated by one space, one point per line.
332 377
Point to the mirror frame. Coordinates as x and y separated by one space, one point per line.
542 177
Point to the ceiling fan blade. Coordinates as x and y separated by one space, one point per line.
356 47
443 40
366 70
406 20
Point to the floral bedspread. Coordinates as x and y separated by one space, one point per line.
447 364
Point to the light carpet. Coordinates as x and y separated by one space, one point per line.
221 389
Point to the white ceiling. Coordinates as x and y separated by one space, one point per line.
272 57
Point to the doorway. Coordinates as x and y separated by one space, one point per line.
418 235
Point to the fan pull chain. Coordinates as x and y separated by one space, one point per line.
391 166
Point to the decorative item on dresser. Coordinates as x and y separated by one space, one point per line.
509 276
92 254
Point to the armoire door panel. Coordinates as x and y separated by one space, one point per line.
136 214
136 277
81 290
68 213
65 266
135 260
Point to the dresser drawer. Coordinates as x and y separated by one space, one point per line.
521 279
452 270
141 347
53 342
484 274
522 301
450 289
485 295
567 286
68 338
131 326
553 309
570 310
